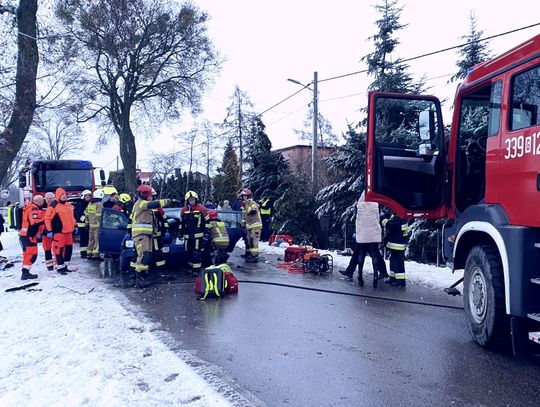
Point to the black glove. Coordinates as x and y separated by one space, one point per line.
252 212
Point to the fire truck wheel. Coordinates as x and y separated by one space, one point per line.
483 291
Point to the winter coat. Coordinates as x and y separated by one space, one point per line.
368 229
195 222
251 217
59 217
92 213
32 221
142 218
397 233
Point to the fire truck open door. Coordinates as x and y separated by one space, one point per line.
406 157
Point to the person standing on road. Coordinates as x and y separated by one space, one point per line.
368 238
196 230
46 241
31 227
142 229
396 239
80 209
60 222
266 207
251 221
92 218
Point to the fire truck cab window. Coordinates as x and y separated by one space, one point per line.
525 99
479 110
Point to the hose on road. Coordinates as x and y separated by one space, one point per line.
322 290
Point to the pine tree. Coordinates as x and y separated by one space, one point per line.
389 75
237 123
473 53
348 163
327 137
267 169
227 181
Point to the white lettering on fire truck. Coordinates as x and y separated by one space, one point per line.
519 146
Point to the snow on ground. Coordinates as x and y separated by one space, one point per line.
73 343
425 274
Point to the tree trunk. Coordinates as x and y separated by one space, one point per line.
25 88
128 153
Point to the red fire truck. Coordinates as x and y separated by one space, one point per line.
39 177
484 178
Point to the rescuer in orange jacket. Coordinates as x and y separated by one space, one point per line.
46 241
60 224
31 227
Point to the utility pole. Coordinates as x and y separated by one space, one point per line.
315 138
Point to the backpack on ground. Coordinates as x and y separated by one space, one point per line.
216 281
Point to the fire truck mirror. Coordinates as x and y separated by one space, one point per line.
426 124
102 176
22 180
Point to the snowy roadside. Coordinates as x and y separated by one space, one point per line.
423 274
71 342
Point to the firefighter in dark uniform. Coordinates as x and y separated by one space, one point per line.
195 229
396 239
142 230
265 208
80 207
158 259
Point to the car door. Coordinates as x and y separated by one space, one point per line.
112 229
232 220
405 160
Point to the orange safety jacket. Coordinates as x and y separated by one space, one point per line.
32 221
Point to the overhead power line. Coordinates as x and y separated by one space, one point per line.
404 60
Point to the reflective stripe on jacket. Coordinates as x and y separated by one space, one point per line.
251 216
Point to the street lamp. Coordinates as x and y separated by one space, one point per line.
315 127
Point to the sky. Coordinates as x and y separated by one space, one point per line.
73 340
266 42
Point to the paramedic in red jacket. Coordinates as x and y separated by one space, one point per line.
60 224
31 227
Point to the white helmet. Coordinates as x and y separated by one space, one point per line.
85 192
98 193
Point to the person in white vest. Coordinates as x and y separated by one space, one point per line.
368 238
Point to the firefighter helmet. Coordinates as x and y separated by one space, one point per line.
212 214
145 191
124 198
86 192
191 194
246 192
98 194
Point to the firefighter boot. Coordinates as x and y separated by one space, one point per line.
142 279
390 280
399 283
252 259
62 270
346 273
26 275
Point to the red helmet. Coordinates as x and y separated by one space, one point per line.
245 192
212 214
145 191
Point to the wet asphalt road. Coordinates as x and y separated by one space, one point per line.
285 346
